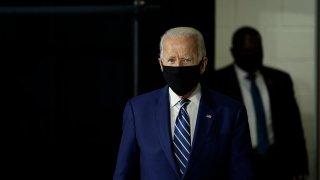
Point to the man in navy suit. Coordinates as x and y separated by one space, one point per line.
285 157
220 145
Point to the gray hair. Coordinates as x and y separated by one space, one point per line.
185 32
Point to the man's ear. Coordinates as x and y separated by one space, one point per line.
160 63
233 52
203 65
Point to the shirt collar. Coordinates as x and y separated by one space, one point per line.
243 74
194 97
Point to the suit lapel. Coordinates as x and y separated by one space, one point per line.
267 80
233 85
163 118
205 122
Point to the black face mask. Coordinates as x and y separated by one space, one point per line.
182 79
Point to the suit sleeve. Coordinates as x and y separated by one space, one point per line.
241 149
128 150
297 154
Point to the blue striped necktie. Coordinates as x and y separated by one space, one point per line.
263 141
182 138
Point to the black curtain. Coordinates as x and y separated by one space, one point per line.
67 74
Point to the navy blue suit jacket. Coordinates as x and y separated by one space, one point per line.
221 147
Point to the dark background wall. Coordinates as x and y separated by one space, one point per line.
68 69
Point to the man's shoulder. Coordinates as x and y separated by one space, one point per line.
224 74
265 69
226 69
274 72
148 96
222 99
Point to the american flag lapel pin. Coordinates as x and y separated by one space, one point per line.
209 116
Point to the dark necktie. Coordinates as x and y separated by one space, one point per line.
182 138
263 141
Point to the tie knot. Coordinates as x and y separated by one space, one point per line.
184 102
251 77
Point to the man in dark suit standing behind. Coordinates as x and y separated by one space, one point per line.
282 154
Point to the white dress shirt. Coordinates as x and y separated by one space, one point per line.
248 102
192 109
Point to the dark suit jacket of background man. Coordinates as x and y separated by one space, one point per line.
289 149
